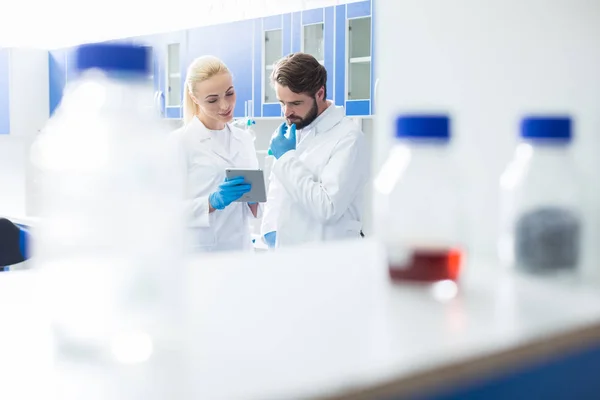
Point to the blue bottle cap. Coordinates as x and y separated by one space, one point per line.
547 128
424 126
113 58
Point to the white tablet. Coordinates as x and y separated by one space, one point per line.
256 178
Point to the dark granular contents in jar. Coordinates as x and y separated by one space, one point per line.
548 239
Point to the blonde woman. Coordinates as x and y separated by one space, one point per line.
209 145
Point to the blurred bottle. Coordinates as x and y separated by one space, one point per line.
540 209
420 219
246 124
109 241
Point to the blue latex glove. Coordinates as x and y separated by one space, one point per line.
229 191
270 239
280 143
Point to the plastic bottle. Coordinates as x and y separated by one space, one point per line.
420 218
249 124
540 210
109 240
246 124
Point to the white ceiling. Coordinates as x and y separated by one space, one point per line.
59 23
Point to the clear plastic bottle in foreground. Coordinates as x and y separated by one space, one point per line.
420 217
540 210
109 241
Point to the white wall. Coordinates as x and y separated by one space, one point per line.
29 110
51 27
488 62
12 175
28 91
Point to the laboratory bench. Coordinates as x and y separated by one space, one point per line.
330 324
28 222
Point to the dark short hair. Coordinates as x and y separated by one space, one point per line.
301 73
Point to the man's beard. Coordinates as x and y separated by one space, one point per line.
309 118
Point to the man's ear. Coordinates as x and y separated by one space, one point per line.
321 94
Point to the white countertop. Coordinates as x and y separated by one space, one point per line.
320 322
30 221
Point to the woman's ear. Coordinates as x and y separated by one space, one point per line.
194 99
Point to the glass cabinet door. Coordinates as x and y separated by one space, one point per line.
273 52
173 76
359 58
313 41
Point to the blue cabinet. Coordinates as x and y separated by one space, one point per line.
57 74
340 37
313 33
272 40
168 69
169 58
329 45
157 76
296 32
232 43
353 57
4 92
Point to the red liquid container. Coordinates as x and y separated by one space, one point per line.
418 204
428 265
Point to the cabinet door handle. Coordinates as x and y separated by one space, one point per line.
375 94
246 109
157 102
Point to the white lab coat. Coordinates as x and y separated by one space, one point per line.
205 162
316 191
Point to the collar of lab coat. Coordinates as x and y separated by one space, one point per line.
327 119
196 128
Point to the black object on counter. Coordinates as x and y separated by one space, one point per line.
10 252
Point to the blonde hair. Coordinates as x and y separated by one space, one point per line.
201 69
